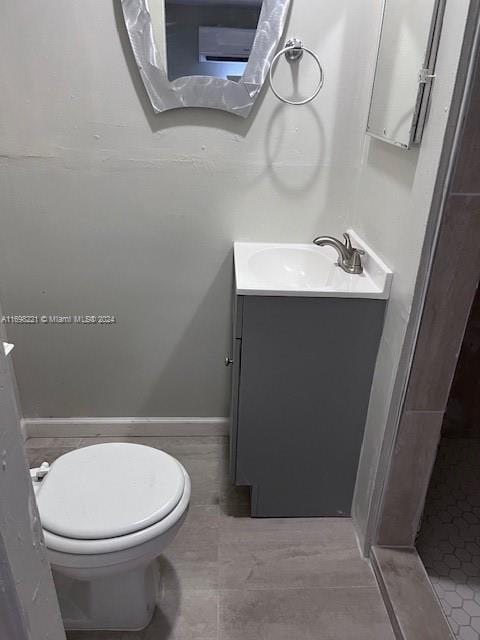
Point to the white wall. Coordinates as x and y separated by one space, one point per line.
391 213
28 603
107 208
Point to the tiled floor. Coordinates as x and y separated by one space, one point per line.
230 577
449 540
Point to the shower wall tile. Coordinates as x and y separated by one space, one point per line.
462 418
409 477
467 173
451 291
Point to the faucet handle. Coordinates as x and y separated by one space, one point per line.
348 242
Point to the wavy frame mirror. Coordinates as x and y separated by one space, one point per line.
145 22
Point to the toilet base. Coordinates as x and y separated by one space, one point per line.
122 602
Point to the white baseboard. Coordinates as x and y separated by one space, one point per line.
120 427
23 431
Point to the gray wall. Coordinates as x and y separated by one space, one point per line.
108 209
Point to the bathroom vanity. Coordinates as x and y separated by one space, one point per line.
306 336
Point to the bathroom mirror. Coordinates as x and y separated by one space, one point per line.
204 53
405 70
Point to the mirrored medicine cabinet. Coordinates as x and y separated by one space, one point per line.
405 70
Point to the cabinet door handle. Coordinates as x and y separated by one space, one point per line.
228 361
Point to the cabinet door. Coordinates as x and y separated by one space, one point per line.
305 377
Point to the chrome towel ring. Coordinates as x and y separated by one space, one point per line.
293 51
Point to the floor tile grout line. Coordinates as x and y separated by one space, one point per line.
307 589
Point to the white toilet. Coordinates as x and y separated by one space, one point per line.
107 512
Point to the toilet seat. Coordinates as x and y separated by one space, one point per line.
75 547
111 497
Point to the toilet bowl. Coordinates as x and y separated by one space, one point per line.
107 512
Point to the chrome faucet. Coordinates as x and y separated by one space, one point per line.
348 257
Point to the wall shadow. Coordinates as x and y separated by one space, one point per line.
273 145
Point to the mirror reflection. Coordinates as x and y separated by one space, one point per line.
210 37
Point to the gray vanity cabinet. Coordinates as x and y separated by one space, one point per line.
302 372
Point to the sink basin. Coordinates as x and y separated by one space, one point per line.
307 270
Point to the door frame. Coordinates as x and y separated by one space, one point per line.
29 607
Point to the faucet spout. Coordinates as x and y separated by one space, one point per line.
329 241
348 257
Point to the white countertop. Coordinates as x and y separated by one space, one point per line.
272 269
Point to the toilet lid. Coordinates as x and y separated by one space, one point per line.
109 490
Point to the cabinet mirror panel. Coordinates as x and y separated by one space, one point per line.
405 70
